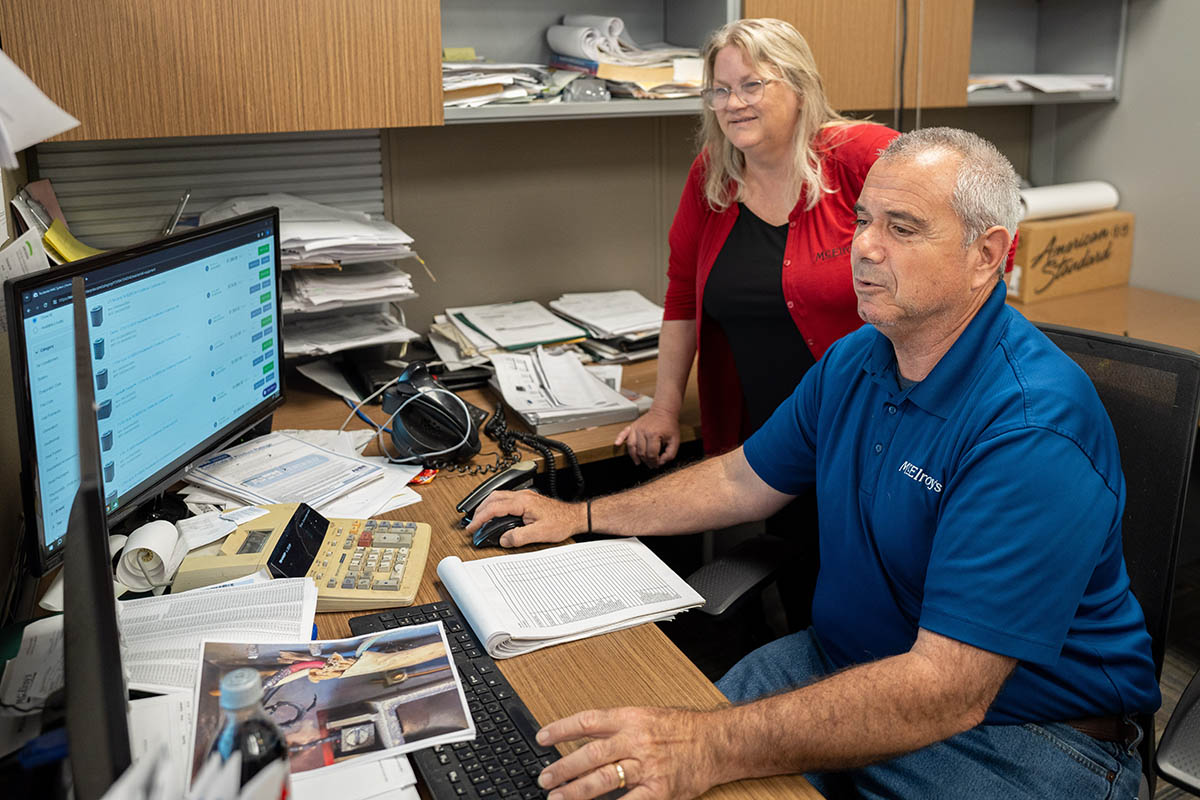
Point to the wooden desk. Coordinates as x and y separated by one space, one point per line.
1125 311
639 666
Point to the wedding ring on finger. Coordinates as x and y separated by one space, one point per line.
620 775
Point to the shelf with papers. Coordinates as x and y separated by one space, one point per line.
517 34
1029 97
1047 39
611 108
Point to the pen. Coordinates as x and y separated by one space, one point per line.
170 228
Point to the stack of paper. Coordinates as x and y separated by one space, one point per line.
623 326
555 393
519 603
512 326
312 233
1043 82
161 642
604 39
326 289
466 84
280 465
323 334
608 315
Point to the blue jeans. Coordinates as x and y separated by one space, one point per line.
1044 760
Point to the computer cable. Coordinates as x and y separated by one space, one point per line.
358 411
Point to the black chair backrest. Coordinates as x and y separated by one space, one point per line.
1152 394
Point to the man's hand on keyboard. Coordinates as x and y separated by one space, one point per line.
546 519
662 754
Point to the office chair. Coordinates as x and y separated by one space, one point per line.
1152 394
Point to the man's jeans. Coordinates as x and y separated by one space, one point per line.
1047 760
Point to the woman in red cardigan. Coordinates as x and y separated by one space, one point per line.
759 269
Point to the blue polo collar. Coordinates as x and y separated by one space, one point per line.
941 389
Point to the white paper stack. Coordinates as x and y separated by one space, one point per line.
467 84
610 314
512 326
312 233
323 334
555 393
604 39
623 325
326 289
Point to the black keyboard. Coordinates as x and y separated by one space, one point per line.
504 759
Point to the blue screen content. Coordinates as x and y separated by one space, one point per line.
184 344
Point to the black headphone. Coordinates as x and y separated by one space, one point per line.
429 423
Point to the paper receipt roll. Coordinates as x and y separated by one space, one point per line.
1068 198
151 556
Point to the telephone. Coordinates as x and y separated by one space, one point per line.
507 440
518 476
429 422
356 563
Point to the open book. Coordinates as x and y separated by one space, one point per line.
528 601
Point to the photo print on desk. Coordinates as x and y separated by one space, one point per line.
363 698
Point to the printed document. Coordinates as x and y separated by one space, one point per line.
515 326
279 468
162 636
610 314
525 602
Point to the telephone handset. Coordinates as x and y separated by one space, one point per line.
518 476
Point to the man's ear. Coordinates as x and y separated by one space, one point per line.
992 249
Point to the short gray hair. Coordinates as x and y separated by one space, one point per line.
986 191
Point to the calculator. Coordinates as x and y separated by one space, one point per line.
355 563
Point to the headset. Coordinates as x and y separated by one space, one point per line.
429 423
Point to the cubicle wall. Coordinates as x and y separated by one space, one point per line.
533 209
119 192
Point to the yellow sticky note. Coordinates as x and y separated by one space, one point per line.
66 245
458 54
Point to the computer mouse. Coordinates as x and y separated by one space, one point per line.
490 532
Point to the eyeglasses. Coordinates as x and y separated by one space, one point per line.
749 92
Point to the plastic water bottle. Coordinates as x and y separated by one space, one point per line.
247 728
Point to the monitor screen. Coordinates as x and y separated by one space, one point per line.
185 349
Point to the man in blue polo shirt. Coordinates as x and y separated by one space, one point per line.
973 630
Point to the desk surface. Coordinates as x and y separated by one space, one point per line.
1125 311
638 666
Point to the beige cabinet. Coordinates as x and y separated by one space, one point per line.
856 44
149 68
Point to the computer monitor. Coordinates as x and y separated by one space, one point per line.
186 355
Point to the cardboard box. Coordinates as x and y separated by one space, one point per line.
1068 255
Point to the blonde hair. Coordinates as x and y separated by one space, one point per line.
777 49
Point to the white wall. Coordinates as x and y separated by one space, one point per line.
1148 144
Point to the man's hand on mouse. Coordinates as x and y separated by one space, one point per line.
546 519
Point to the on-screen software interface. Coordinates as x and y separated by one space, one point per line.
183 341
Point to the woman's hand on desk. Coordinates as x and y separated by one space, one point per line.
545 519
652 438
662 753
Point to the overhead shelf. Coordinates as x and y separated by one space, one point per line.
541 111
1029 97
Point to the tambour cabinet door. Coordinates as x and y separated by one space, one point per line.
149 68
856 44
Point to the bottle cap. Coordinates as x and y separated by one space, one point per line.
241 688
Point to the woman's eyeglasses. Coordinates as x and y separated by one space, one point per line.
750 92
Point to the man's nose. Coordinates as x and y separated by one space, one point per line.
865 245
